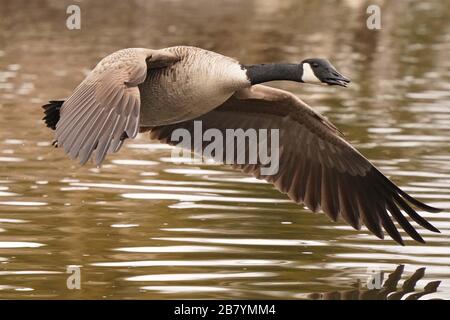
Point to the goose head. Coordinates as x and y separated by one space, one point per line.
321 71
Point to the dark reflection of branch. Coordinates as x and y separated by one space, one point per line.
389 290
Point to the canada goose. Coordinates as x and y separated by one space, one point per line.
139 89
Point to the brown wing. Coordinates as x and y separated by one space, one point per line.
104 109
316 165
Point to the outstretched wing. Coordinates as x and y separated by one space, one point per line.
104 109
316 165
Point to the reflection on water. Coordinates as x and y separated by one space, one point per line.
389 290
142 226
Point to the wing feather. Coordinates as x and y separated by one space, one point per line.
316 165
104 108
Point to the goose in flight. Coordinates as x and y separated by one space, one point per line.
135 90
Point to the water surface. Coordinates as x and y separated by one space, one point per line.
143 227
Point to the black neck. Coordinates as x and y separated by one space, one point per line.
259 73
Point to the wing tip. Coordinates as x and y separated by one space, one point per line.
420 204
399 241
409 198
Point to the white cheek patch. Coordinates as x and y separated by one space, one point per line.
308 74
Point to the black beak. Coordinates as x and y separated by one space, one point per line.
336 79
326 72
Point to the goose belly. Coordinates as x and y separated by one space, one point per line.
162 105
200 82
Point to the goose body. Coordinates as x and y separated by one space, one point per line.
160 91
208 79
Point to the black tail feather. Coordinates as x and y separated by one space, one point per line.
51 111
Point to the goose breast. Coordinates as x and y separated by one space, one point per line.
198 83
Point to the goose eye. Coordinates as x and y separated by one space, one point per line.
315 64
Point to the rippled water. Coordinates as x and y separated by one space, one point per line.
143 227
